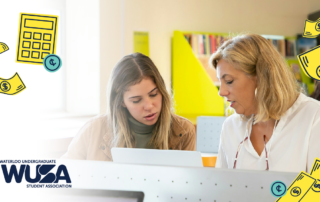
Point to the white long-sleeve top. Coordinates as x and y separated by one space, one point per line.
293 147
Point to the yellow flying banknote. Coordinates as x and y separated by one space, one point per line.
310 62
314 193
298 188
12 86
315 171
311 29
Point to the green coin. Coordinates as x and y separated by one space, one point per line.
52 63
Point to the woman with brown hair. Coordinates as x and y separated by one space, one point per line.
275 127
139 115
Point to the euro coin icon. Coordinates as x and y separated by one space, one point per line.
278 189
310 62
52 63
298 188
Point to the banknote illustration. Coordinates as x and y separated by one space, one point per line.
299 188
314 193
310 62
12 86
3 47
315 171
311 28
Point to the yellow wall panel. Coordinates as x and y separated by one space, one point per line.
194 92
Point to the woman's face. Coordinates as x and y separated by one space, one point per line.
143 101
237 87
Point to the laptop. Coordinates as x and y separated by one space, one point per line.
157 157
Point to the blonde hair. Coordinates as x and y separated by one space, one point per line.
277 88
130 70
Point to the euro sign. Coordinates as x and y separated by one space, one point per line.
278 188
12 86
310 62
52 62
298 188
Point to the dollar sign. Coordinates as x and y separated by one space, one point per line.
319 25
278 188
5 86
296 191
317 185
52 62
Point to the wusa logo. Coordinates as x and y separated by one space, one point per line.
44 174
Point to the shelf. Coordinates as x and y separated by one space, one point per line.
195 94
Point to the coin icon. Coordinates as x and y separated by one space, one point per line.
278 189
316 186
5 86
318 71
52 63
318 26
296 191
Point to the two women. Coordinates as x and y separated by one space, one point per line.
276 127
139 115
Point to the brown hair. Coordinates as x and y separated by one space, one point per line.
130 70
277 88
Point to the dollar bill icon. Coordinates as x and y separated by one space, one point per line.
12 86
314 193
311 29
315 171
3 47
310 62
298 188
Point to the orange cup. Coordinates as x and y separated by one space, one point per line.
209 160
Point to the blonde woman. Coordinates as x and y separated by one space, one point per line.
139 115
275 127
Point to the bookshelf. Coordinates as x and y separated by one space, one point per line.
194 92
194 83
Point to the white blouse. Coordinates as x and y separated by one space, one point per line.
293 147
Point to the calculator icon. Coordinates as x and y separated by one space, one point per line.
37 37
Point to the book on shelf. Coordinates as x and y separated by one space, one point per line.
286 47
207 44
204 44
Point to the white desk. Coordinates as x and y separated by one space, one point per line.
162 183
